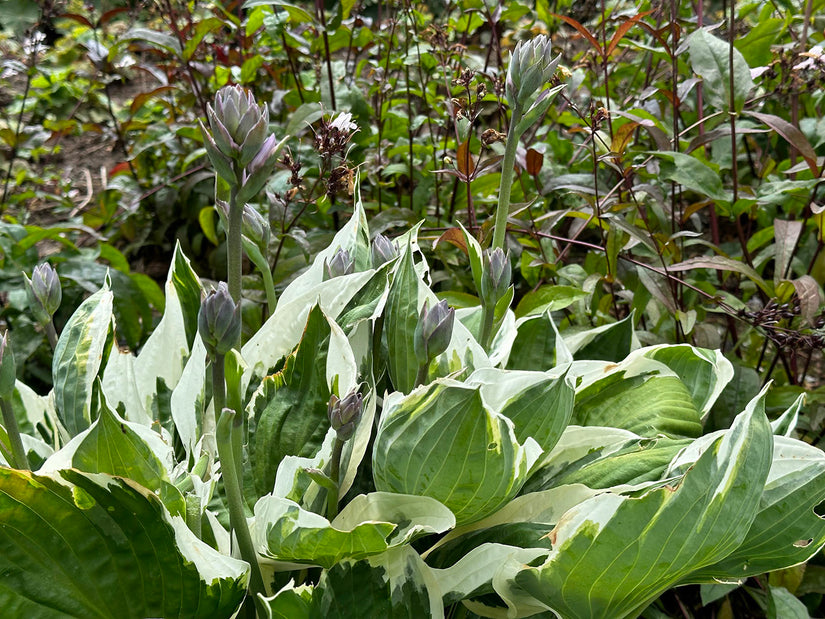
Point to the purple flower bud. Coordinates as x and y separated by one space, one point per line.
433 331
44 292
340 264
345 413
495 276
219 322
383 250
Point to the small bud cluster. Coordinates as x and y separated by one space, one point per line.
383 250
238 142
340 264
775 318
43 292
433 331
531 66
344 414
219 322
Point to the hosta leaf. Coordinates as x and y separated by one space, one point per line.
77 359
538 345
704 372
401 319
647 404
187 400
442 442
290 407
396 584
165 352
82 545
288 533
641 460
611 342
612 555
115 446
367 526
291 602
578 444
539 405
787 530
490 568
283 330
120 385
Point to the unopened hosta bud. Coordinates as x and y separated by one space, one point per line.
340 264
43 292
531 66
239 125
383 250
219 321
433 331
238 142
8 370
345 413
255 227
495 276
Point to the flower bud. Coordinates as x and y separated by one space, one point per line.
383 250
495 276
8 369
433 331
345 413
531 66
255 227
340 264
43 292
219 321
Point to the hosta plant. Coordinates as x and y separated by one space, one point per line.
556 473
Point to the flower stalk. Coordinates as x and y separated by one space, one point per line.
229 436
531 67
8 372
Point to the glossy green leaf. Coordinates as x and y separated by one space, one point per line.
442 442
693 174
612 555
290 407
77 360
83 545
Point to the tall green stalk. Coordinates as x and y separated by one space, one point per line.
229 429
507 166
234 249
